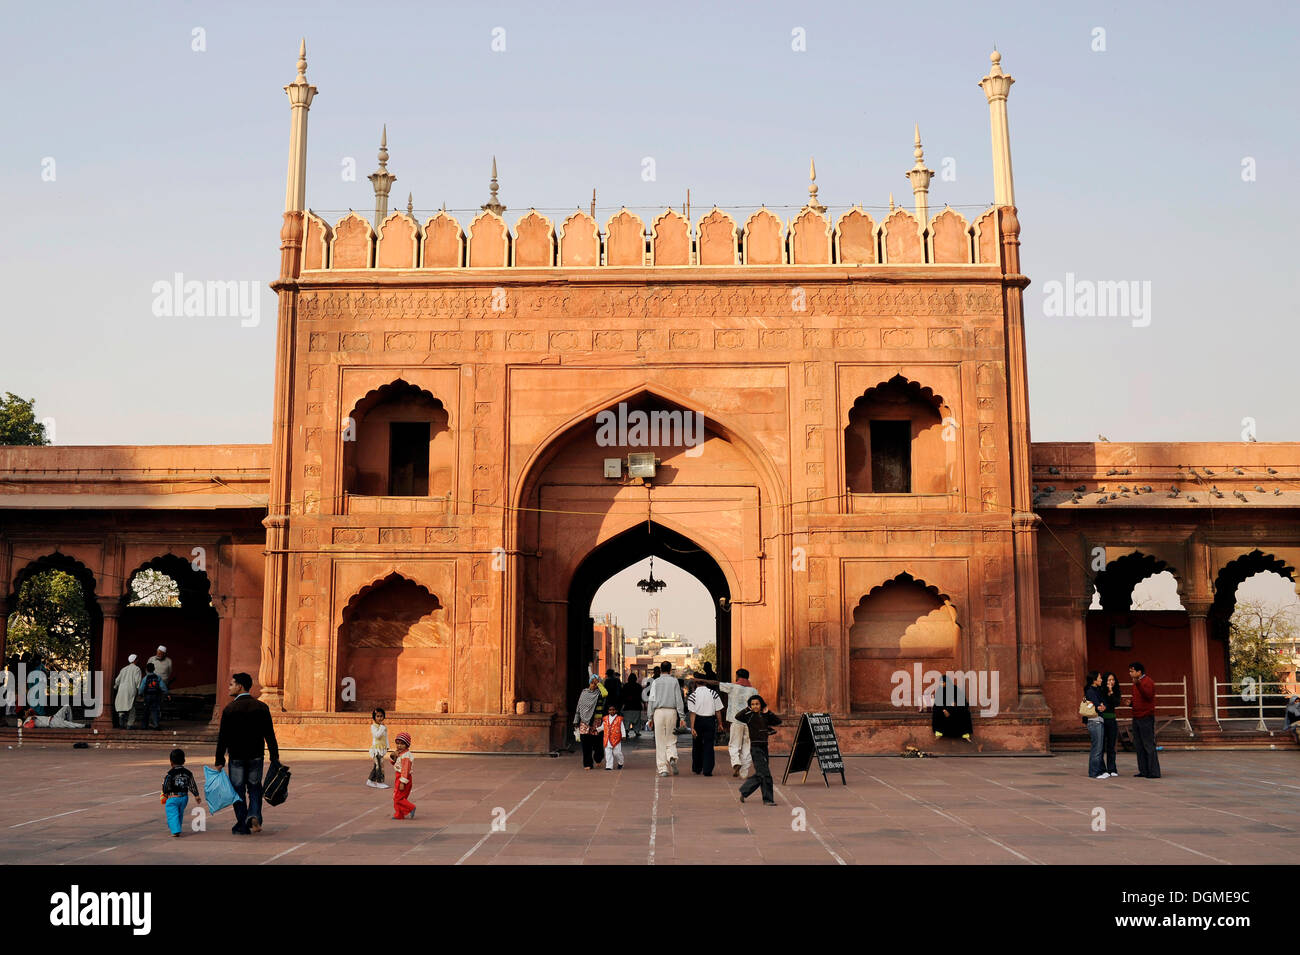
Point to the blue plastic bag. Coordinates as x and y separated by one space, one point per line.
218 792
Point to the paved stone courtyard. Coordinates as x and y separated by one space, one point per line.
86 807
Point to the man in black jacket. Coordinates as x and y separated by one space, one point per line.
245 723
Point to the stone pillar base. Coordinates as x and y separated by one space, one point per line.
1033 703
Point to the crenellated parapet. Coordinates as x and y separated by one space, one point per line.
717 238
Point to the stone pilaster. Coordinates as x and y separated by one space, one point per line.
110 608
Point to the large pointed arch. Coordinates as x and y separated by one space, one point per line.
554 532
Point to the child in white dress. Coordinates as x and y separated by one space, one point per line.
378 748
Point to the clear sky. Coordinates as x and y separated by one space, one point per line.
1128 162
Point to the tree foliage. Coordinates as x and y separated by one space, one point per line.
708 654
1261 640
50 619
18 424
153 588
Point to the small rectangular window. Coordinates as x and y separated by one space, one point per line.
408 458
891 457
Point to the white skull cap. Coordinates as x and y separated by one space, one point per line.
131 658
162 649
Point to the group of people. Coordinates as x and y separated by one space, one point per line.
609 711
1102 697
150 685
246 734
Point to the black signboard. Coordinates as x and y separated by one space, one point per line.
815 738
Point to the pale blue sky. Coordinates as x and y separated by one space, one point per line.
1128 167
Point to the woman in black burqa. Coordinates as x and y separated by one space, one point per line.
950 716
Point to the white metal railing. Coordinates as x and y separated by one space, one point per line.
1171 705
1255 702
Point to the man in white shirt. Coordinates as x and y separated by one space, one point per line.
663 699
738 695
162 665
704 705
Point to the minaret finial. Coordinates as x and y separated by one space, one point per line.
493 204
996 86
410 205
920 179
382 180
300 94
813 203
891 202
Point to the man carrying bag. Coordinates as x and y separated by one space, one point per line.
245 724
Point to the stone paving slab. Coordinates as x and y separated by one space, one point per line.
1210 808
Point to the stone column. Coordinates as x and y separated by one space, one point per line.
1201 688
110 607
6 570
1024 535
225 625
4 628
270 674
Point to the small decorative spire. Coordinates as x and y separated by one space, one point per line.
813 202
302 58
920 179
891 202
493 204
382 180
410 205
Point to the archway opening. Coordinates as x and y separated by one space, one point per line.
168 603
50 622
1256 614
632 549
1137 614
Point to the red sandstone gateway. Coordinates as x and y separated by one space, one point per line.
436 510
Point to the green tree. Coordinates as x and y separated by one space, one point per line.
18 424
50 619
709 654
1259 635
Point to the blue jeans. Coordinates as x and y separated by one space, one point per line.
246 777
1097 737
154 707
176 812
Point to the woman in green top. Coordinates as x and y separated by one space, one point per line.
1110 689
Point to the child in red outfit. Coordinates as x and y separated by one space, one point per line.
403 808
613 728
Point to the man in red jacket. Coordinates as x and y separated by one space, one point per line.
1144 722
